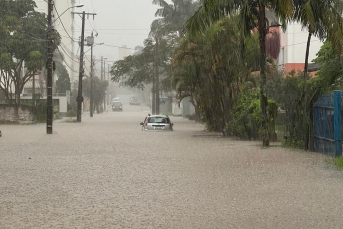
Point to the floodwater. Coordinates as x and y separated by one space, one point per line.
107 173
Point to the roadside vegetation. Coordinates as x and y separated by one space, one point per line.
339 162
220 54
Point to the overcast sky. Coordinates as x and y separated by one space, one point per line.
118 23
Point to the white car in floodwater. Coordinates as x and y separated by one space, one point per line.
157 122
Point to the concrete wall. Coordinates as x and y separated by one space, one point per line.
23 114
60 101
187 107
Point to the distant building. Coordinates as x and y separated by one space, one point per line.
124 51
68 43
293 43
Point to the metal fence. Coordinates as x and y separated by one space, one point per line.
327 128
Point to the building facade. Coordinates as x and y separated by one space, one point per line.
65 26
293 43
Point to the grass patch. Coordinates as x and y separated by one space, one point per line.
71 113
339 162
70 120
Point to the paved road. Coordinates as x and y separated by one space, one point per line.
106 173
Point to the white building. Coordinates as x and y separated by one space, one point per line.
293 43
65 26
123 52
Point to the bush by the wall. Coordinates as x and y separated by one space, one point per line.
41 111
246 116
71 113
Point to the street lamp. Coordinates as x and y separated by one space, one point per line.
59 15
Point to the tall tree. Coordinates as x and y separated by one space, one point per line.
212 71
174 16
23 44
253 15
322 19
63 79
98 91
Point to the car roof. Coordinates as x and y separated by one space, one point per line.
162 116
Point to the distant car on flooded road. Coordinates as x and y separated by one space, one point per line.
117 106
157 122
134 101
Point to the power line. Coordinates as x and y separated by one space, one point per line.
66 62
300 43
118 47
91 24
69 56
68 37
59 17
76 23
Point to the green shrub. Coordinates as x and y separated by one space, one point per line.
71 113
246 116
41 111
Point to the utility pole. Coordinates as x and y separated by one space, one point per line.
108 87
105 106
101 68
157 83
91 43
79 98
91 98
49 65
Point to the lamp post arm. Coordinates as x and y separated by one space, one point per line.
59 15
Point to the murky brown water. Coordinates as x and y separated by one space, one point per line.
106 173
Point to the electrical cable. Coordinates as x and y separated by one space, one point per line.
59 17
76 23
117 47
69 56
66 62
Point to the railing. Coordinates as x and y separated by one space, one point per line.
327 135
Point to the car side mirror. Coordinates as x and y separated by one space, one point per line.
141 124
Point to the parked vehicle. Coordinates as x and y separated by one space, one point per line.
116 99
117 106
134 101
157 122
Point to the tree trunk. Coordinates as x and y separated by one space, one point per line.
307 54
307 123
157 83
153 97
17 94
263 78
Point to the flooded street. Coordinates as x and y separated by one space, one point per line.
107 173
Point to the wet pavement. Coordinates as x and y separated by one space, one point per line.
107 173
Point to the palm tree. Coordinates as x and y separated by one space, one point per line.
322 19
253 15
201 70
173 16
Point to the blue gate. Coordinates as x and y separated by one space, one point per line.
327 133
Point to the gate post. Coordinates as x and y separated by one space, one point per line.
337 123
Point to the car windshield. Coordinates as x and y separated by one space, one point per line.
116 103
158 120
